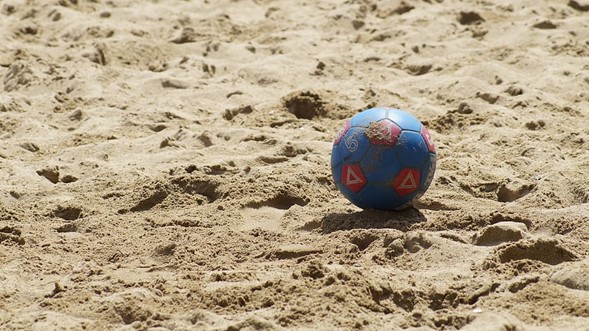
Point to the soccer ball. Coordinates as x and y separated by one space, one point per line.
383 158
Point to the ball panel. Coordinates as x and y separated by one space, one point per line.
405 120
411 149
336 163
342 132
381 197
368 116
428 170
353 145
428 139
380 165
383 133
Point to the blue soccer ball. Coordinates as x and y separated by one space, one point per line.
383 158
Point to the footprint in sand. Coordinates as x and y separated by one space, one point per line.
549 251
574 276
268 214
500 233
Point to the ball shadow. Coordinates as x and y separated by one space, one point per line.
372 219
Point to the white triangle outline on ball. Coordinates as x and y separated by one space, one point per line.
352 178
408 182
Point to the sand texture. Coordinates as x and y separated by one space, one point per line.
165 165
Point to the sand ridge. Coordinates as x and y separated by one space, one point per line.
165 165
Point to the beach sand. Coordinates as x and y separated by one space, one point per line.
165 165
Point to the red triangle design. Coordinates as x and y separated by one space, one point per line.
352 178
408 182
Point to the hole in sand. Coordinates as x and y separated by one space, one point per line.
67 213
281 201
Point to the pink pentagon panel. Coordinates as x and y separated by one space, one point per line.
428 139
342 133
383 133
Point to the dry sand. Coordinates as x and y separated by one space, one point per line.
165 165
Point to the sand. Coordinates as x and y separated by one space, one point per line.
165 165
